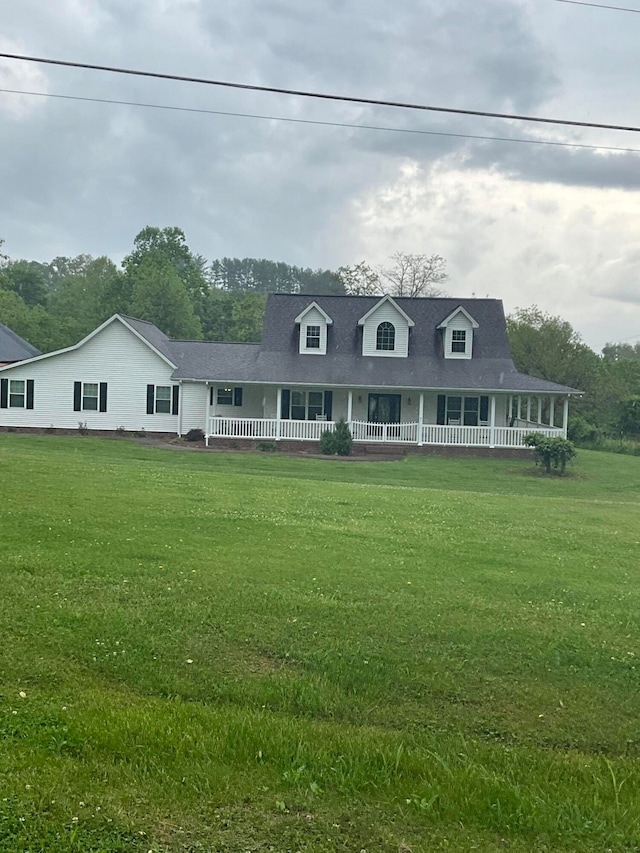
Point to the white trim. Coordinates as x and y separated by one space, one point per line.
313 305
380 302
458 310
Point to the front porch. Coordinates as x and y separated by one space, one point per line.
383 416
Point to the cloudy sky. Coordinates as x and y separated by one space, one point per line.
531 224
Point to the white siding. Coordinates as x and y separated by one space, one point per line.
251 402
463 323
194 406
313 317
386 313
115 356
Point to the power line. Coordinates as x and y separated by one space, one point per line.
598 6
323 123
318 95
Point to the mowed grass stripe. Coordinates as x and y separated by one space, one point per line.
295 654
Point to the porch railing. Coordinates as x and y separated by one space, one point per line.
403 433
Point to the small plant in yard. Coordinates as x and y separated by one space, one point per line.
194 435
337 441
553 453
266 447
121 431
83 429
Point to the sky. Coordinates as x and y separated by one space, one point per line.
531 224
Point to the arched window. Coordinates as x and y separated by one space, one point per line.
386 337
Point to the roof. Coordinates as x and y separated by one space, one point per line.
278 361
151 334
13 347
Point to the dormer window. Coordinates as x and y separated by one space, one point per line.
457 335
313 323
313 337
459 340
386 337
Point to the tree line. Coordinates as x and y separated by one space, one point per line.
55 304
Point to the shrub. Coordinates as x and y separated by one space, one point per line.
195 434
121 430
550 452
83 429
266 446
337 441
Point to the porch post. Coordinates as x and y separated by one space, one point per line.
552 411
278 413
539 409
492 421
420 418
510 409
519 407
207 413
565 417
180 410
529 408
350 408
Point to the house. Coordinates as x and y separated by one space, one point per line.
14 348
424 371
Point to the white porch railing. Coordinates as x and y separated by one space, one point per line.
404 433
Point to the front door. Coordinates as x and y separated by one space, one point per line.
384 408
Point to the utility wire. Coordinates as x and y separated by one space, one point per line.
322 123
318 95
598 6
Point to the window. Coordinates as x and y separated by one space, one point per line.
227 396
386 337
458 340
162 399
305 405
17 390
466 411
313 337
89 396
16 393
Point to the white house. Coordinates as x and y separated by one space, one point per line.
410 371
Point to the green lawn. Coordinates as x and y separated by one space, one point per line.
218 652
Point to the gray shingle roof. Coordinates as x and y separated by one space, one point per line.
13 347
152 334
277 359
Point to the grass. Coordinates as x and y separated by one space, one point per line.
254 652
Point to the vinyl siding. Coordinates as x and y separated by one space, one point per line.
115 356
386 313
458 322
313 317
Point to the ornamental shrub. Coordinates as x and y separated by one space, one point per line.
337 441
553 453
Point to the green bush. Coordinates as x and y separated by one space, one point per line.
337 441
266 447
553 453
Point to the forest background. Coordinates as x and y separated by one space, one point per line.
54 305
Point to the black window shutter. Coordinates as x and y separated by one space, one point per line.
237 396
77 396
211 396
328 404
4 393
484 408
29 393
103 396
151 398
175 396
286 404
442 403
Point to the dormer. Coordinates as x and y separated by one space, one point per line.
313 322
458 333
385 330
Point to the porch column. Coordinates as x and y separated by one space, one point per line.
492 420
529 408
207 413
509 409
180 409
519 407
539 409
565 417
552 411
420 418
350 408
278 413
